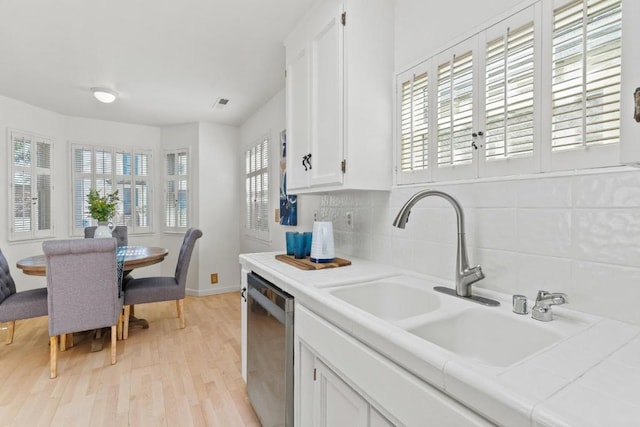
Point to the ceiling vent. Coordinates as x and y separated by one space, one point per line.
221 103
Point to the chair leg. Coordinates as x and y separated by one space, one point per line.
53 350
125 327
180 306
120 320
11 326
114 335
63 342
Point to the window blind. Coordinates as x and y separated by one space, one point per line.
414 123
177 189
586 74
257 187
455 110
107 169
509 94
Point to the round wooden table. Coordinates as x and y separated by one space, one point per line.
134 257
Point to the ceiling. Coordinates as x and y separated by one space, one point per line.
169 60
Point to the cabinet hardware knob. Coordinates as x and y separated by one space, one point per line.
304 160
309 160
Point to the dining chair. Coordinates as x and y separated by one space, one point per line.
82 282
119 232
18 305
165 288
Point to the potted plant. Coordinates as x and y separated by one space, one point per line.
102 209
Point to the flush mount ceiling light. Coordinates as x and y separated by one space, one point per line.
104 95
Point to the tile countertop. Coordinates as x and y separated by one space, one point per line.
589 379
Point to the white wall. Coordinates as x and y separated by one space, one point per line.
270 120
220 195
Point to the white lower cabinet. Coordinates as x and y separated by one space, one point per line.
341 382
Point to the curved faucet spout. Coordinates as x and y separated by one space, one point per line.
465 275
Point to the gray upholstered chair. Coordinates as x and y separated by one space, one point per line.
82 282
120 233
18 305
166 288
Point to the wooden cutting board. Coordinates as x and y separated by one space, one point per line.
306 264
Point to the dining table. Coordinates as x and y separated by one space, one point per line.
133 257
130 257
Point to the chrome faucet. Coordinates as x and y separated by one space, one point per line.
465 275
542 310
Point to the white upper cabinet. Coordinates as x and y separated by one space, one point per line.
339 97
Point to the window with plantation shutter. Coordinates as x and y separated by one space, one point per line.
31 190
414 123
455 110
257 190
537 91
177 190
108 169
586 72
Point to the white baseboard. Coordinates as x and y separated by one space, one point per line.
214 290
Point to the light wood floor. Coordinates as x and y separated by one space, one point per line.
164 376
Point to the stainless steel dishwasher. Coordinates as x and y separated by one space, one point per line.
270 352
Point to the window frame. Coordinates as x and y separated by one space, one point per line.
33 233
132 228
177 179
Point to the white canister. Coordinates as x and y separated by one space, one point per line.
322 247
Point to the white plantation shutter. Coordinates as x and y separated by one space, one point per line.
176 191
414 123
141 197
586 74
257 189
455 110
107 169
31 187
509 124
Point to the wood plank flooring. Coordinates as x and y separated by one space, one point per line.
164 376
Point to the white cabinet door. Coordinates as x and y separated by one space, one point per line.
337 404
298 113
327 68
314 100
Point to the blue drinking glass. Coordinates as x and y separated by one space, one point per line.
290 236
299 246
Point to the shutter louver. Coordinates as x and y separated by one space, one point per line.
414 118
455 110
586 74
510 94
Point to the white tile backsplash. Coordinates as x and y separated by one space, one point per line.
575 233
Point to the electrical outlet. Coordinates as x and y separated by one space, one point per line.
349 218
315 215
214 278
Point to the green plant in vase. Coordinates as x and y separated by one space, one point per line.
102 209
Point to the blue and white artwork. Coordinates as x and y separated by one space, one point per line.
288 202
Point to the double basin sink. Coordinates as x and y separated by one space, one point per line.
492 336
